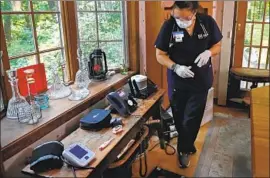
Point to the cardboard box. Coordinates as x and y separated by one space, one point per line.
209 108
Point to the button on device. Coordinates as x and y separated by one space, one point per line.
86 157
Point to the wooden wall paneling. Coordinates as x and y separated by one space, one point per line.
70 37
133 34
166 4
225 54
208 5
166 13
149 28
240 33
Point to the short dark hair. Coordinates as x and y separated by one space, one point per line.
192 5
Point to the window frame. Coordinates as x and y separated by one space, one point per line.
69 22
62 48
32 14
124 26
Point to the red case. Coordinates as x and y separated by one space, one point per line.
39 75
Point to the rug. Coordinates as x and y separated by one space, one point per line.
227 149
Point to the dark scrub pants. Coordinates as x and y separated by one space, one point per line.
188 95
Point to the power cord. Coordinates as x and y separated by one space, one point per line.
142 149
166 150
74 168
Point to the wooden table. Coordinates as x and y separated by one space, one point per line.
132 125
260 131
60 112
251 75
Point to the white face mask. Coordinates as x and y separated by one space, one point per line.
183 23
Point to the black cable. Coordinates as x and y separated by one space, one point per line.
74 168
166 150
145 159
73 171
154 146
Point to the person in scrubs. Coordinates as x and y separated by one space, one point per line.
185 45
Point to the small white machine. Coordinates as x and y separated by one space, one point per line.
78 155
141 81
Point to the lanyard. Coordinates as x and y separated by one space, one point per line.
200 36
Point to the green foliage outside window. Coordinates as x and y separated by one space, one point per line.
19 33
20 39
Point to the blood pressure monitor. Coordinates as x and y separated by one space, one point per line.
78 155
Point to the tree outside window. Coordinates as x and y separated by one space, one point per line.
101 25
33 33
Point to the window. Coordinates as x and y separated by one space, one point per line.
255 51
101 25
33 33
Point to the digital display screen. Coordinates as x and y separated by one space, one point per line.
78 151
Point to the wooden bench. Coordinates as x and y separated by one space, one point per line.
132 125
260 131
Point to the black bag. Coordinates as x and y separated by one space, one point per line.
96 119
47 156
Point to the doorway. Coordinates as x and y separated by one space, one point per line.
252 37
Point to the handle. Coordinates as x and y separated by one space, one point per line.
105 60
90 57
90 65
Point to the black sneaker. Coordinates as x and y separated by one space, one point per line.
183 159
193 150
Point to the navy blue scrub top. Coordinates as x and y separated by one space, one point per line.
206 33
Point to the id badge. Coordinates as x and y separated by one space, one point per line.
178 36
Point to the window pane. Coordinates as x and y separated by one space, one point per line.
45 5
48 31
8 5
50 60
255 11
109 26
257 34
85 5
268 60
248 33
263 58
254 57
249 85
108 5
266 35
87 48
260 85
18 33
245 57
243 84
87 26
22 62
114 53
267 14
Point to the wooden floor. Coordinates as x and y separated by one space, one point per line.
158 157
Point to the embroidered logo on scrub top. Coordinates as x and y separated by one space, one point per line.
178 36
205 33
